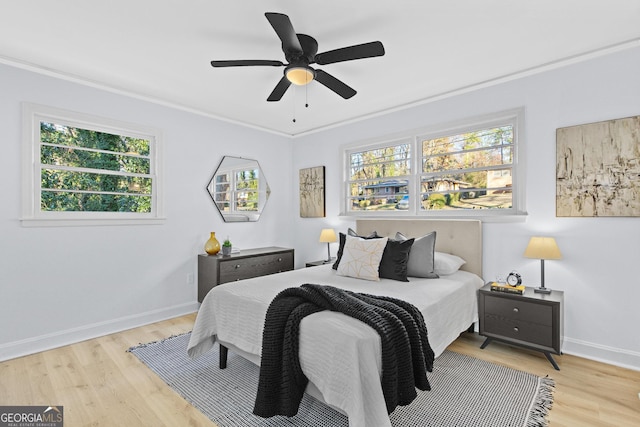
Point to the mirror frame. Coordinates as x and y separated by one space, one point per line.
227 176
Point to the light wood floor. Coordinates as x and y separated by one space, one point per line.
99 383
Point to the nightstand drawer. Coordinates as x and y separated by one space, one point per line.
529 332
246 268
518 310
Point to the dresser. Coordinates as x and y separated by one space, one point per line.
214 270
531 320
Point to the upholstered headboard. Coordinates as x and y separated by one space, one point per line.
458 237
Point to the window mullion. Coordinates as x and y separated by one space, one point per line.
93 150
113 193
95 171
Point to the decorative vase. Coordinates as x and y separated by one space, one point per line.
212 247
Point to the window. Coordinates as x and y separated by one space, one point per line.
379 177
82 170
465 170
236 190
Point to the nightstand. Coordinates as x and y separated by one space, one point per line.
321 262
530 320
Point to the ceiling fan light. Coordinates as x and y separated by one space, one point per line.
300 75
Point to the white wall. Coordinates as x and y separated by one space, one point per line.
59 285
64 284
598 271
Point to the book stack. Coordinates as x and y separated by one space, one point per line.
503 287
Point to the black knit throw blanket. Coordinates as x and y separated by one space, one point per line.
406 353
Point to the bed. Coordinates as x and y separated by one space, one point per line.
340 355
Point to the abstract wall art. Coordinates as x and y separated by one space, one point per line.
312 198
598 169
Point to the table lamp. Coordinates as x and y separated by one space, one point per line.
542 248
328 236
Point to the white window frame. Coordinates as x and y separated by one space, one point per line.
372 145
233 190
513 117
33 216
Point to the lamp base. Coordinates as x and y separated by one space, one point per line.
542 290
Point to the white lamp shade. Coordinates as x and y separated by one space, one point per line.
542 248
328 235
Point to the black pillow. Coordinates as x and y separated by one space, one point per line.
343 239
395 259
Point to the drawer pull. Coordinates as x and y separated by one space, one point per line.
515 328
237 265
515 309
279 259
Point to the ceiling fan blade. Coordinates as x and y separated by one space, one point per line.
281 23
334 84
359 51
279 90
246 62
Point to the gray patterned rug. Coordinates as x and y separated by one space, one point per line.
465 392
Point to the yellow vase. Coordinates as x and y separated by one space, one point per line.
212 247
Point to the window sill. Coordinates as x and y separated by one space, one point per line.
66 222
509 218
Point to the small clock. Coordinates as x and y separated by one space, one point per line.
514 279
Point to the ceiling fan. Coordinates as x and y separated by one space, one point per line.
300 50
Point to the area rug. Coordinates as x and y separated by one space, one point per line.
465 392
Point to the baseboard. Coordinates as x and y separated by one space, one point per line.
601 353
40 343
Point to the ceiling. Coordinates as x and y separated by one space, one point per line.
161 50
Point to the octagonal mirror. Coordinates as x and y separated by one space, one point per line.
239 189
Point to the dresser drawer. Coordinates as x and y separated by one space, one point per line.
214 270
246 268
518 310
529 332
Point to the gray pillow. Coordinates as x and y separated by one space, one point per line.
420 262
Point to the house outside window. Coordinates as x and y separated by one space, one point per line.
81 170
378 177
468 169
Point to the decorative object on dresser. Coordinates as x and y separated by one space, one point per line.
513 284
226 247
531 320
542 248
212 246
214 271
328 236
505 287
312 200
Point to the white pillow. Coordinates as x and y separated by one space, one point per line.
445 264
361 257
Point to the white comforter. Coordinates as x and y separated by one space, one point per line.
341 356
